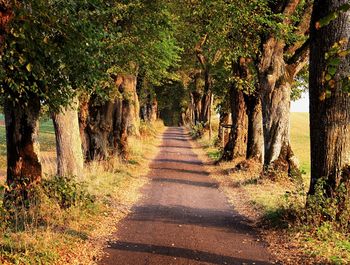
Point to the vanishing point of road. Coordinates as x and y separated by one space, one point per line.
183 217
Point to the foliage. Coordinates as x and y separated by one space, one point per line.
197 130
334 209
51 55
334 60
67 191
173 101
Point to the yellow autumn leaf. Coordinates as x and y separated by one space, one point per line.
29 67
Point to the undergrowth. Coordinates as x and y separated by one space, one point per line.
321 231
67 218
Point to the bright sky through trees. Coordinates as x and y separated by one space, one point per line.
302 104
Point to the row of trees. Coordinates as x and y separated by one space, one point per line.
105 64
260 51
80 62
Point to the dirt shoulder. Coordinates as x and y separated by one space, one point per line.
234 183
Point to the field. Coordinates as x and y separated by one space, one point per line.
300 139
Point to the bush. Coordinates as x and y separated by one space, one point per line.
147 129
67 191
197 131
334 208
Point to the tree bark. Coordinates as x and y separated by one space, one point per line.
275 88
23 164
128 84
223 120
196 107
206 100
255 145
237 143
83 115
70 161
329 115
98 129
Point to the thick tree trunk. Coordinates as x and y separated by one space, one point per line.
98 129
83 115
237 144
275 89
128 83
109 123
329 115
70 161
23 164
149 111
255 145
196 107
154 110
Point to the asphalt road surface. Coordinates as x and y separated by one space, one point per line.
183 218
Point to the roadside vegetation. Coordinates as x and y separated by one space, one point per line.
71 217
103 71
296 234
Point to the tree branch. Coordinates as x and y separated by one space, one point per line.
302 29
199 51
299 59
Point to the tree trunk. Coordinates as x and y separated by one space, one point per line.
70 160
128 83
237 144
275 89
98 129
206 100
83 115
154 110
329 114
255 145
23 164
224 120
196 107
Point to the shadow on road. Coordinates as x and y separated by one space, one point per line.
196 255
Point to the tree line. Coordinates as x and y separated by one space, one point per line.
101 66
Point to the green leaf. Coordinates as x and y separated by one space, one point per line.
332 71
334 62
328 77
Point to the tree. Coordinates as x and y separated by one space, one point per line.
44 62
283 55
329 96
69 151
146 45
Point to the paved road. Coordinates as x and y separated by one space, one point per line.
183 218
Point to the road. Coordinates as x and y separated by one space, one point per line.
183 217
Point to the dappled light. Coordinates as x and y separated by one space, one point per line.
175 132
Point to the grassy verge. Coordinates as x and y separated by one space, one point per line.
278 207
76 235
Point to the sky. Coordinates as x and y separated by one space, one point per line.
301 105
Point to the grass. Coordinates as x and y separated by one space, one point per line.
76 235
300 139
273 202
